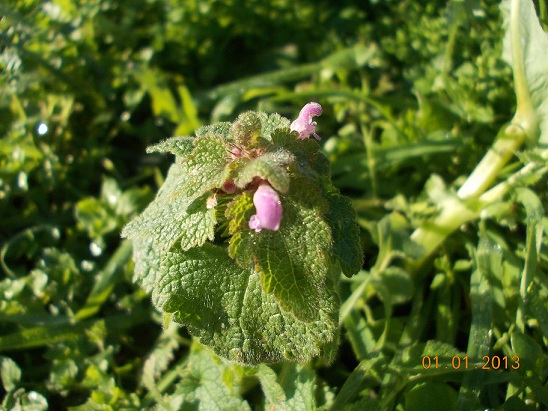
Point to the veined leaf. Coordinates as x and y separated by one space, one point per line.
270 123
293 260
346 233
264 296
226 307
209 382
180 146
219 129
173 216
246 130
310 161
270 166
204 169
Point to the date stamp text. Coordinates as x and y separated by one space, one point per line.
489 362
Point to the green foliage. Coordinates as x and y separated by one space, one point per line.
530 67
427 106
268 295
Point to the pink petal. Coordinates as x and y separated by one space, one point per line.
304 124
268 207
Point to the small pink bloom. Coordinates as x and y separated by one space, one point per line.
304 124
269 209
235 152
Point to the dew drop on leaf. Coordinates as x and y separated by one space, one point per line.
22 181
95 249
55 233
87 265
18 154
42 128
112 199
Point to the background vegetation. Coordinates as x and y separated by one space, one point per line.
414 94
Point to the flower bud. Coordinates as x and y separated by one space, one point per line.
304 124
268 207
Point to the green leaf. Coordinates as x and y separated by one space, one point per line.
535 211
226 307
105 281
533 241
533 60
538 307
204 169
366 368
530 353
63 330
219 129
159 358
292 261
10 373
270 123
299 384
431 396
311 162
412 357
271 388
394 241
208 383
238 213
180 146
246 130
346 233
23 400
147 263
199 225
106 395
393 285
173 216
270 166
160 218
487 262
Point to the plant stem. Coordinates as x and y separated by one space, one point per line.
509 140
469 201
525 111
467 205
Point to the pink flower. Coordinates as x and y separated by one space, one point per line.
269 209
304 124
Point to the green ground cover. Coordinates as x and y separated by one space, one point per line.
435 121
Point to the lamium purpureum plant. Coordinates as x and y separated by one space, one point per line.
246 240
